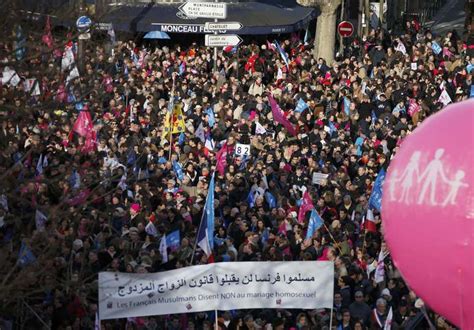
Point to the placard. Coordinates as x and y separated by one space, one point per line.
242 149
318 178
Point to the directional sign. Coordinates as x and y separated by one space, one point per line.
345 29
204 9
217 40
223 26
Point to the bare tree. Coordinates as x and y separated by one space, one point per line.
324 42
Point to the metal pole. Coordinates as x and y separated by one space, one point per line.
215 48
217 321
341 38
81 42
330 319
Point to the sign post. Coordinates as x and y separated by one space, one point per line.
345 29
206 10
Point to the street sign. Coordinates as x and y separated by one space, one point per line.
345 29
223 26
204 9
224 40
83 23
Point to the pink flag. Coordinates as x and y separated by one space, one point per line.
90 141
279 117
47 36
61 95
447 52
305 206
83 123
413 107
221 157
271 46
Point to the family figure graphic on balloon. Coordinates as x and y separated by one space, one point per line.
412 177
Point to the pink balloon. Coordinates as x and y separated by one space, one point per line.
428 212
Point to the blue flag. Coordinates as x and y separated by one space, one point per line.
469 68
332 128
436 47
251 198
39 166
283 55
375 200
301 105
182 68
209 213
181 138
315 222
151 230
20 43
347 104
178 170
270 200
211 117
25 256
173 240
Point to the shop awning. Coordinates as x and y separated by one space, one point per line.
257 17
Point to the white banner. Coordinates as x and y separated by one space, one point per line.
221 286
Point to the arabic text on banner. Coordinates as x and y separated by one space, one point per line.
222 286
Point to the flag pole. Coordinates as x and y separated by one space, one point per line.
171 115
330 319
332 237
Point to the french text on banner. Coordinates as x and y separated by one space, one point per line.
223 286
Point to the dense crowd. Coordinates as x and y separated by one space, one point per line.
79 193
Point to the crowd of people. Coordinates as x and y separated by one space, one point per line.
88 162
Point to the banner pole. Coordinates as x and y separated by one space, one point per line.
217 322
330 319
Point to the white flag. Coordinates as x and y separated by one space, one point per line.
380 270
259 129
40 220
73 74
164 249
68 59
401 48
388 321
150 229
10 77
123 182
4 202
279 74
31 85
445 98
210 144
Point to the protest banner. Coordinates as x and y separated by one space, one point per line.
218 286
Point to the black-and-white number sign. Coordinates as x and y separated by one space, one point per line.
242 149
